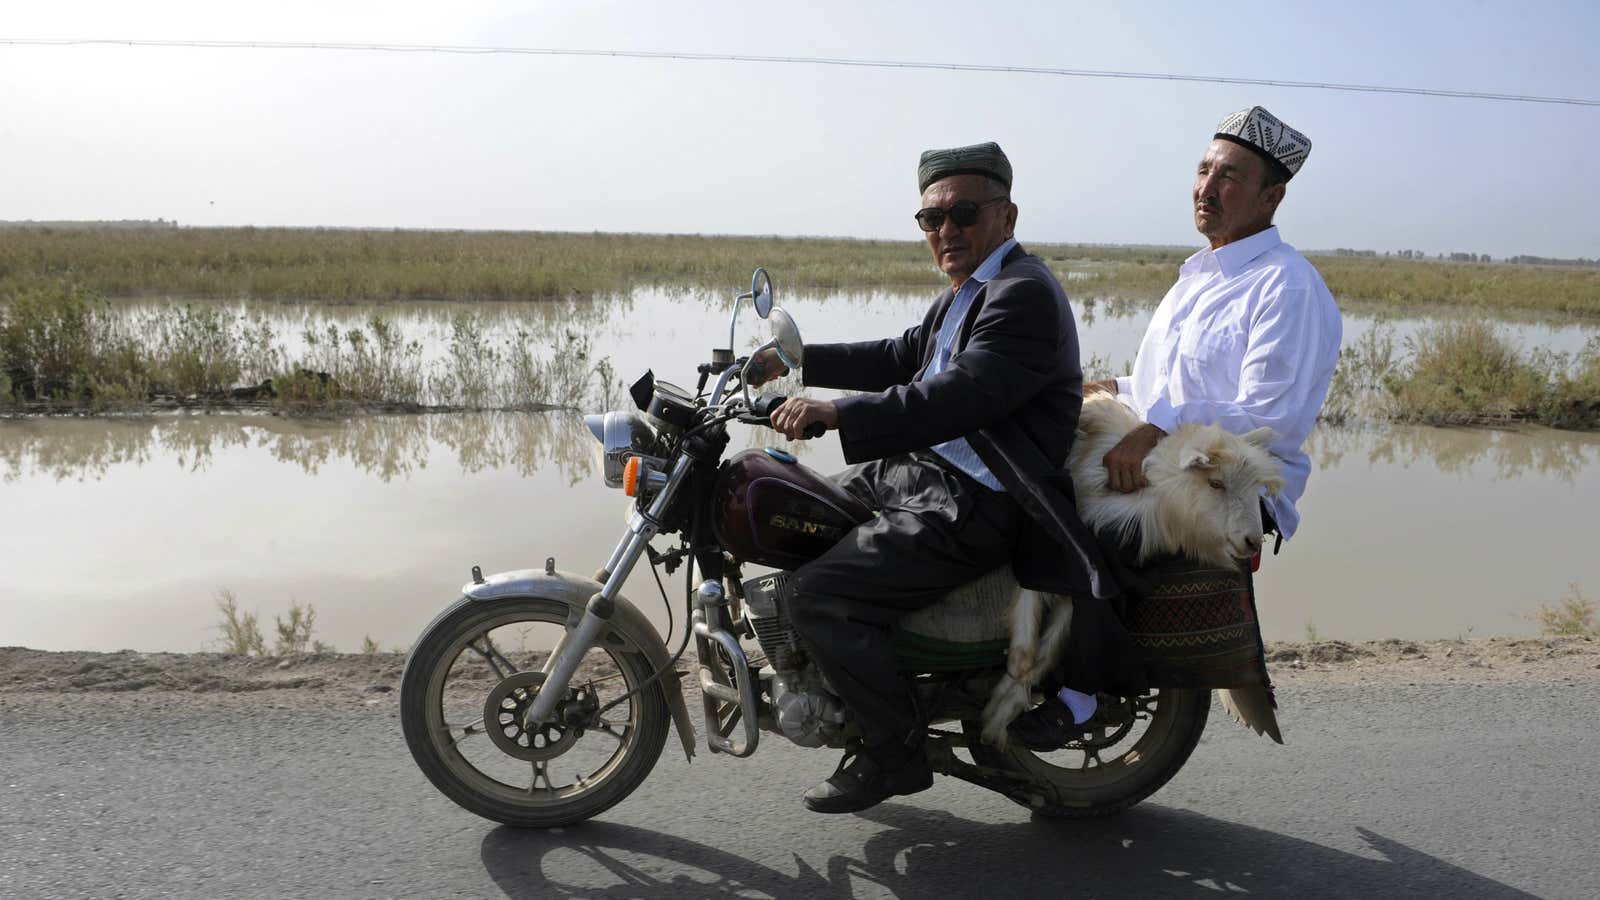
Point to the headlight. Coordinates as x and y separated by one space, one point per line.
622 434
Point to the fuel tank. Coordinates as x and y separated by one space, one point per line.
773 511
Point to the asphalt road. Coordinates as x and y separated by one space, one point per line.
1469 792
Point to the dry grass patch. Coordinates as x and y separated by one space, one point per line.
1465 371
1573 616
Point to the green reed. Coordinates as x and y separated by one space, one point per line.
64 349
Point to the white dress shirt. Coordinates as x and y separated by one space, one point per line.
1249 336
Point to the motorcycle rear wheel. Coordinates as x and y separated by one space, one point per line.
1087 785
479 770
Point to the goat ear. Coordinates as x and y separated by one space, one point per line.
1261 437
1194 458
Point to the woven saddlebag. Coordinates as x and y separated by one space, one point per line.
1195 625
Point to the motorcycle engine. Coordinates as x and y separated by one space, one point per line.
807 712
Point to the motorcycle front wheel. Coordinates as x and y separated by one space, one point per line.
1116 765
468 681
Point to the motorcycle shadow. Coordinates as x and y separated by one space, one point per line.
1150 851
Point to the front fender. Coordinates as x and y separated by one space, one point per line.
629 629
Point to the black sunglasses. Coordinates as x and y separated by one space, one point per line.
961 212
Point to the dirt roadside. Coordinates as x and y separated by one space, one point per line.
314 677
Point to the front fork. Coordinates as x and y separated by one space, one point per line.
563 662
729 698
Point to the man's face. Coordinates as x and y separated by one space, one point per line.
1231 200
959 251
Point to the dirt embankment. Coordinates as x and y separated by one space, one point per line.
1476 661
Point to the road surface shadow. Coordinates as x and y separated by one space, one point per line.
1150 851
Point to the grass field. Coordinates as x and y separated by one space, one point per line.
376 266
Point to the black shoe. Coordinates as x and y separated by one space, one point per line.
862 781
1046 727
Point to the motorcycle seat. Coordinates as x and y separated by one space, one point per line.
966 629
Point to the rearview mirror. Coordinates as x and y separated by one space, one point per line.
786 337
761 290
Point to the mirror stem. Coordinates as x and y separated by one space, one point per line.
733 322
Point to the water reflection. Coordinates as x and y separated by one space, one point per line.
1508 453
387 447
374 519
391 447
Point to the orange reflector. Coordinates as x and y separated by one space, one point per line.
630 477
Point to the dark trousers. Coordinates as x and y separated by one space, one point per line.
936 528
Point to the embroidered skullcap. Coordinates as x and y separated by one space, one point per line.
978 159
1282 147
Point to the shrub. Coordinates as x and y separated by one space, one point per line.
1464 371
1574 399
240 633
1574 616
53 341
294 636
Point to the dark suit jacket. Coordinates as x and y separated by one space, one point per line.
1014 389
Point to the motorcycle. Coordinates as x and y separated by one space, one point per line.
543 739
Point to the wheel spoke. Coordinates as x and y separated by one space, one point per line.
605 678
541 772
503 668
466 731
550 658
617 730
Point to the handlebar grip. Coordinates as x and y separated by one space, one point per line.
765 405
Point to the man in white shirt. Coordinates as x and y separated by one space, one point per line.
1248 337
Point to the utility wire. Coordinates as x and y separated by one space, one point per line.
801 60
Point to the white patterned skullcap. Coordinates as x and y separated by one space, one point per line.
1281 146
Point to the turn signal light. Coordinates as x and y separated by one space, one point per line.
630 477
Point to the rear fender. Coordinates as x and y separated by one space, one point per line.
628 630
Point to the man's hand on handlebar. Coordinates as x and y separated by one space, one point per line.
798 413
765 366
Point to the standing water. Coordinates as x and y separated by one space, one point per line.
123 532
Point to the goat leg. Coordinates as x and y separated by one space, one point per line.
1011 694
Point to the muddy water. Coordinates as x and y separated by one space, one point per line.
121 532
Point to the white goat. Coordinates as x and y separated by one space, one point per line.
1202 501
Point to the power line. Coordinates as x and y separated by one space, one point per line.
802 60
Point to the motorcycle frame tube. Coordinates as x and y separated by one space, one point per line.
598 611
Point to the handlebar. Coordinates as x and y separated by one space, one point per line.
762 408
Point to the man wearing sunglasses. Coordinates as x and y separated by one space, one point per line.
958 434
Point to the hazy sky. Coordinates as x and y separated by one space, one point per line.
300 137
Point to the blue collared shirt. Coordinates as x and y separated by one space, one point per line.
958 452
